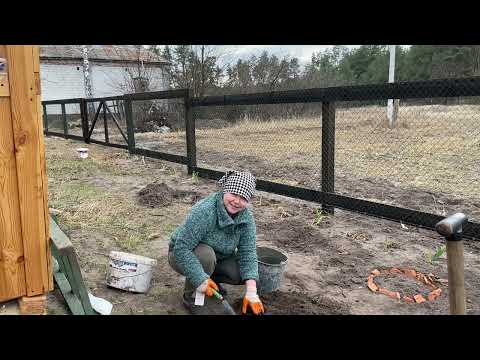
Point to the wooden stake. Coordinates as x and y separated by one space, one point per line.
451 228
456 285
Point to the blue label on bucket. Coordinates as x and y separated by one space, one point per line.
123 265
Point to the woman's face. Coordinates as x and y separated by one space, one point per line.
234 203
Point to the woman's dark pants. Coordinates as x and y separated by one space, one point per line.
225 271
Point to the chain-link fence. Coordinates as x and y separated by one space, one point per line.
279 143
74 119
428 160
53 118
415 159
63 118
159 125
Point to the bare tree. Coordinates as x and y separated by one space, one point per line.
196 67
140 73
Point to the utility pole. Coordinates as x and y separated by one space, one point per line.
392 107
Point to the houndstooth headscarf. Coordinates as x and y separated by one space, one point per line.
239 182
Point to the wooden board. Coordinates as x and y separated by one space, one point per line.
43 164
73 302
35 305
12 267
60 241
27 127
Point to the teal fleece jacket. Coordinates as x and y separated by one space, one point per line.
209 223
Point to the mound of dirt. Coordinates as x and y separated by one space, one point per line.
161 194
298 303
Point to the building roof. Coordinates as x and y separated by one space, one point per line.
104 53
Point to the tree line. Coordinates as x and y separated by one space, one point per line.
198 67
202 69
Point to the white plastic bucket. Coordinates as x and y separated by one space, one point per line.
83 153
130 272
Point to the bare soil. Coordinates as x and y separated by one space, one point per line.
299 303
402 284
113 201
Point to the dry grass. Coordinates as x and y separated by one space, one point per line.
87 206
432 148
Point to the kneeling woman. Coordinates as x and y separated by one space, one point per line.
217 244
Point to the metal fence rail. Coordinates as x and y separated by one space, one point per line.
338 113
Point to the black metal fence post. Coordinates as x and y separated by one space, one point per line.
105 124
328 151
64 120
45 119
190 132
130 129
84 116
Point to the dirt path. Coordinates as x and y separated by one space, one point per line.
330 258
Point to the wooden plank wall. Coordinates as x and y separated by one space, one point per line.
26 133
12 265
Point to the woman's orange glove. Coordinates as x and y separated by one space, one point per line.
207 286
252 300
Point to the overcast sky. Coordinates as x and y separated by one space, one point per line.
231 53
302 52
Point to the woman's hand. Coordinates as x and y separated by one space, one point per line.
207 286
251 299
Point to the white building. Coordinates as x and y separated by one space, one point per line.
113 70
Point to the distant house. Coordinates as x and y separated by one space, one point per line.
114 70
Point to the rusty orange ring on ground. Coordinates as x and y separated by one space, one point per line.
428 280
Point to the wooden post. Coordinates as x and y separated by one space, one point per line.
456 283
451 228
328 151
26 122
190 132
